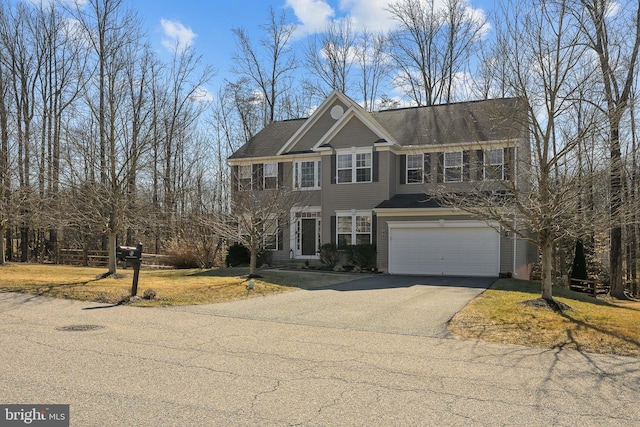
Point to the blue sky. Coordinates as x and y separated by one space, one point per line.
207 25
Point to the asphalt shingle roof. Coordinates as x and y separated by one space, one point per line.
464 122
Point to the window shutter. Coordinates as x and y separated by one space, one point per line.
509 162
235 181
375 159
403 169
374 229
280 174
258 175
426 173
480 165
333 229
440 167
280 236
333 169
466 166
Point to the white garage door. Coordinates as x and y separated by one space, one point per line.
451 248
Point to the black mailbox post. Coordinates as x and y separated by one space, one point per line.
133 256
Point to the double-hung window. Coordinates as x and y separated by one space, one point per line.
353 229
453 166
307 174
270 172
244 177
354 167
494 164
415 164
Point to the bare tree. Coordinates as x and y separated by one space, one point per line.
374 66
612 30
259 209
270 65
538 201
431 46
330 57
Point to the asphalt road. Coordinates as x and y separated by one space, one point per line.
277 361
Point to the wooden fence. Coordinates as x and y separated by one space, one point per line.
101 258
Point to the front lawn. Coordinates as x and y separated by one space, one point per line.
592 325
172 287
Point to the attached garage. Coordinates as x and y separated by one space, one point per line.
450 248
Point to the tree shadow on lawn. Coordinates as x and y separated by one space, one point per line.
558 292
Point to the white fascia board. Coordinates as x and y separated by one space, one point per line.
396 212
461 146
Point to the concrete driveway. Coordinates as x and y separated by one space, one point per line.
407 305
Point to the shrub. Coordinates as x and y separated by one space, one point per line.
579 267
237 255
363 256
329 255
182 256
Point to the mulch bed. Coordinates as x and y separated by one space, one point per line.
554 305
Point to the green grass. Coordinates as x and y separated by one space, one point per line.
592 325
172 287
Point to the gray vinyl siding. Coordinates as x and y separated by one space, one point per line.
354 134
506 252
393 173
358 196
319 129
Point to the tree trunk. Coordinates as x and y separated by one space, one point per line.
112 253
253 260
546 248
3 232
615 254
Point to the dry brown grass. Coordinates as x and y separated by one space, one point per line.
596 326
172 287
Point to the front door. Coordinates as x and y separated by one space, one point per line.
309 237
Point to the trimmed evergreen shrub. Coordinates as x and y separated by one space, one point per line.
363 256
579 267
329 255
237 255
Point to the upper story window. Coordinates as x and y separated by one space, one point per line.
494 164
244 177
307 174
270 175
354 167
415 164
453 162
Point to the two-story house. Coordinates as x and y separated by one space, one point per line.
371 178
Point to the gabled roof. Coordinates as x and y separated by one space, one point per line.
458 123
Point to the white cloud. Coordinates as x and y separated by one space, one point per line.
314 15
177 37
202 94
371 14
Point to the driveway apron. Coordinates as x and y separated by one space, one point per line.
407 305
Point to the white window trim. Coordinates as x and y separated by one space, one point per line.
354 152
421 169
353 215
445 167
317 174
241 176
487 163
265 176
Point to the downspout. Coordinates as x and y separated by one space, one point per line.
515 235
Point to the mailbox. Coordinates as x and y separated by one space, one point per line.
129 252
